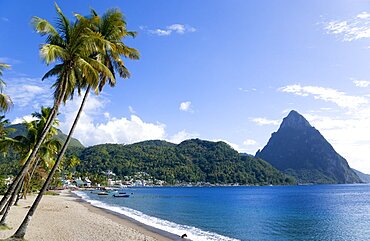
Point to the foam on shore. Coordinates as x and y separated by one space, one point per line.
193 233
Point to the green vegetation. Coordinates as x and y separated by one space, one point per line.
21 130
2 185
51 193
5 227
191 161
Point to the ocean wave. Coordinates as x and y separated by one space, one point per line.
192 233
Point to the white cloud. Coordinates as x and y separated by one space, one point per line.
249 142
326 94
185 106
261 121
131 109
27 118
182 136
174 28
178 28
363 15
92 129
107 115
361 83
243 90
29 92
112 130
351 29
5 19
246 90
160 32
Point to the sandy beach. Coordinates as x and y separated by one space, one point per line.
66 217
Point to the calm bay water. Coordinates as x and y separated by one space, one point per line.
320 212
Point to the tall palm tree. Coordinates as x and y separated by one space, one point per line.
72 45
5 101
24 144
112 27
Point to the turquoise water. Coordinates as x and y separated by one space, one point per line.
320 212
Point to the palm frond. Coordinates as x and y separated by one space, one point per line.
5 103
51 53
56 70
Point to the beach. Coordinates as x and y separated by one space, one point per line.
66 217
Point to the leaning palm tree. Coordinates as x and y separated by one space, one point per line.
23 145
5 101
112 27
72 45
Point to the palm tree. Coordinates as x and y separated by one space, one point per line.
112 27
5 101
24 145
71 45
4 130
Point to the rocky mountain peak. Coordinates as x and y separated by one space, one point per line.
300 150
294 120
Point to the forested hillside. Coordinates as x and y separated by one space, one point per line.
190 161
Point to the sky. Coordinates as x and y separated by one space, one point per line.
225 70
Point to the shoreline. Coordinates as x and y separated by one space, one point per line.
127 221
68 217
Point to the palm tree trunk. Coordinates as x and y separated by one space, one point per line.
19 193
24 169
21 231
9 205
27 186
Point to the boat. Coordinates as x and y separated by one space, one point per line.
102 193
121 195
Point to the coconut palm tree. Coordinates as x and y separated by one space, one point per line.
72 45
112 27
24 144
5 101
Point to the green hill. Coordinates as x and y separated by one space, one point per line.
190 161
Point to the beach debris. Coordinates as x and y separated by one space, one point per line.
184 235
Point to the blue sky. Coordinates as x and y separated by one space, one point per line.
217 70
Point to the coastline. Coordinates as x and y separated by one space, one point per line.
129 222
68 217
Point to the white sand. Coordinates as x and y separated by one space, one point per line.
64 218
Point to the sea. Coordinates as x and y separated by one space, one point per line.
312 212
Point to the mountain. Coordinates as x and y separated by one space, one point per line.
364 177
190 161
298 149
20 129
